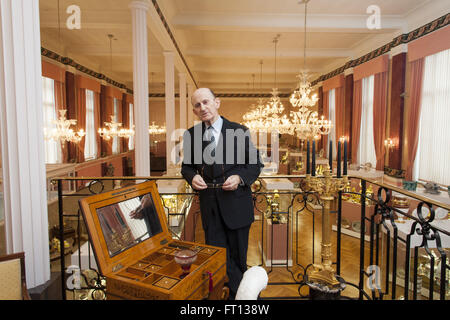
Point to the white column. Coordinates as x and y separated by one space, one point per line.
22 138
139 10
170 108
183 114
190 113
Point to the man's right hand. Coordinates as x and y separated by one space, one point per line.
198 183
136 213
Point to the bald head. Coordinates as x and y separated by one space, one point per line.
206 105
204 91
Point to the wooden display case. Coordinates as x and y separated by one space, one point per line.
135 252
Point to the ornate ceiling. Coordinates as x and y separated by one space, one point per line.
220 44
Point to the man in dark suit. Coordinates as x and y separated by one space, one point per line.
221 163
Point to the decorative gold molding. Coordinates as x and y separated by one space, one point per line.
70 62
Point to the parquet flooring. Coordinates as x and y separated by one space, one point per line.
283 280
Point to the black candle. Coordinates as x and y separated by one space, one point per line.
339 160
330 156
345 158
308 168
313 163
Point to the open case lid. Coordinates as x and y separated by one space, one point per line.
124 224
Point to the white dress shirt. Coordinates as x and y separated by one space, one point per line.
216 130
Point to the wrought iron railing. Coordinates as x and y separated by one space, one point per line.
394 262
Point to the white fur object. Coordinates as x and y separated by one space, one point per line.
253 282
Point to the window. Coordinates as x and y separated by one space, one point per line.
366 148
432 157
115 139
332 118
130 126
90 144
52 147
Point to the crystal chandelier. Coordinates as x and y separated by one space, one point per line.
301 97
274 105
265 117
155 129
114 130
274 108
62 131
255 119
306 123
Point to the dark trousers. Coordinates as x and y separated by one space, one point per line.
235 241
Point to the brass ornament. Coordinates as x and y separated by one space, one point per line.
327 187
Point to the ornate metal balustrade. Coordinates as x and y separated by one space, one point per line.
394 262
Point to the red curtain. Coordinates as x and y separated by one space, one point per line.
81 122
107 112
120 120
379 116
125 121
412 133
356 121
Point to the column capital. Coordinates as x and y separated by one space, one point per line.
139 5
182 75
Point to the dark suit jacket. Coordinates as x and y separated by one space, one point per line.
235 155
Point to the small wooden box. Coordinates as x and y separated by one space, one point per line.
136 252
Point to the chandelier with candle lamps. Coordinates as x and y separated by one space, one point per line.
266 117
155 129
62 131
274 105
305 122
254 119
275 121
113 129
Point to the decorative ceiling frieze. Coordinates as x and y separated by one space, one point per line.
401 39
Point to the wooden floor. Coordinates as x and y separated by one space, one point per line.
284 280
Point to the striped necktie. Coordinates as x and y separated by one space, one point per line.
212 140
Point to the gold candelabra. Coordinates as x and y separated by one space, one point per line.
327 187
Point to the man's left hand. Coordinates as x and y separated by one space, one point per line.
232 183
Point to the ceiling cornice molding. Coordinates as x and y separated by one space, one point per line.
401 39
230 95
72 63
